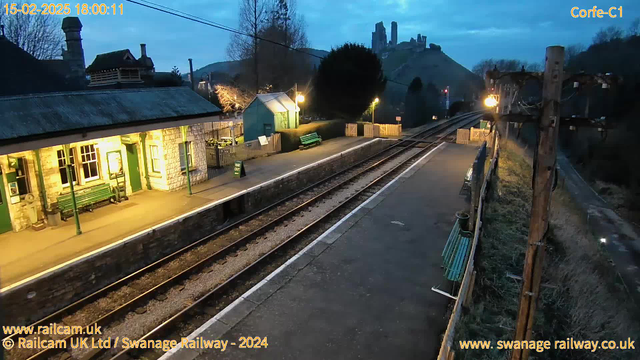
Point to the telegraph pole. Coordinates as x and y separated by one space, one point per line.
544 168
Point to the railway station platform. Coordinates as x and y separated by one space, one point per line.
362 290
29 254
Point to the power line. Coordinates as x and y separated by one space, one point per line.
200 20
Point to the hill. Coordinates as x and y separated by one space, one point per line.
232 68
431 66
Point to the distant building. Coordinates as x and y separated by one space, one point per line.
267 114
120 68
394 33
379 44
379 38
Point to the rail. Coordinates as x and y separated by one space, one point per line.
103 320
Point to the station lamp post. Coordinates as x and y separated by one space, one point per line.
373 112
299 99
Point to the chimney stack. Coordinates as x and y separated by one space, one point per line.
143 50
74 55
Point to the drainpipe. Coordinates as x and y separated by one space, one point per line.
43 190
184 130
73 194
143 138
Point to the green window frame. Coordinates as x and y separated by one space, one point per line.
154 155
189 155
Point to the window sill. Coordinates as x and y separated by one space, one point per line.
155 175
191 169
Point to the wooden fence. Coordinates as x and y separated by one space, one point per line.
219 129
219 157
382 130
479 135
351 130
462 136
466 288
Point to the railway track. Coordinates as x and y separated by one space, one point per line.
218 253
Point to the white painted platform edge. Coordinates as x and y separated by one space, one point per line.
173 221
257 286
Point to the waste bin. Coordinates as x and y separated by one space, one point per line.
463 220
53 217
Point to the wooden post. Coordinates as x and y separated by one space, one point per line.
543 180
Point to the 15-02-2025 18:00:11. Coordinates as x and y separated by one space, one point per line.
63 9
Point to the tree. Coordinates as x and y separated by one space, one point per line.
432 98
270 28
571 52
607 34
504 65
281 65
232 98
349 78
253 14
634 28
39 35
415 106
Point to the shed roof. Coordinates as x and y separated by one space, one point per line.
114 60
277 102
54 114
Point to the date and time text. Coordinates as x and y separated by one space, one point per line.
63 9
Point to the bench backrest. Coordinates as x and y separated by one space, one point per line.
309 137
91 194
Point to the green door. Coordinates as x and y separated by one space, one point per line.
134 168
5 219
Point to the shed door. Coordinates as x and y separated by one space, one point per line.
268 130
134 167
5 219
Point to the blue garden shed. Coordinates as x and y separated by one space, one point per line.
267 114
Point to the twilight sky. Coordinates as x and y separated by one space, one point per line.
467 30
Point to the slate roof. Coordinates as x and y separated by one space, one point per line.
114 60
55 114
24 74
277 102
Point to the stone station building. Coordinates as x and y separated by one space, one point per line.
129 139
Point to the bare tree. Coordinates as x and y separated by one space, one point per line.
505 65
634 28
607 34
232 98
253 14
281 65
571 52
39 35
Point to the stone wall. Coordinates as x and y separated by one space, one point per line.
172 138
68 284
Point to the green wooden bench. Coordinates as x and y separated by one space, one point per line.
310 140
456 253
85 198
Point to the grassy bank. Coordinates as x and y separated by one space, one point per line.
582 298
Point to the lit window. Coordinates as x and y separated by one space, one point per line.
189 155
155 158
22 177
63 169
89 162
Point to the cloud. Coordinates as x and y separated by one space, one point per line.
467 30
